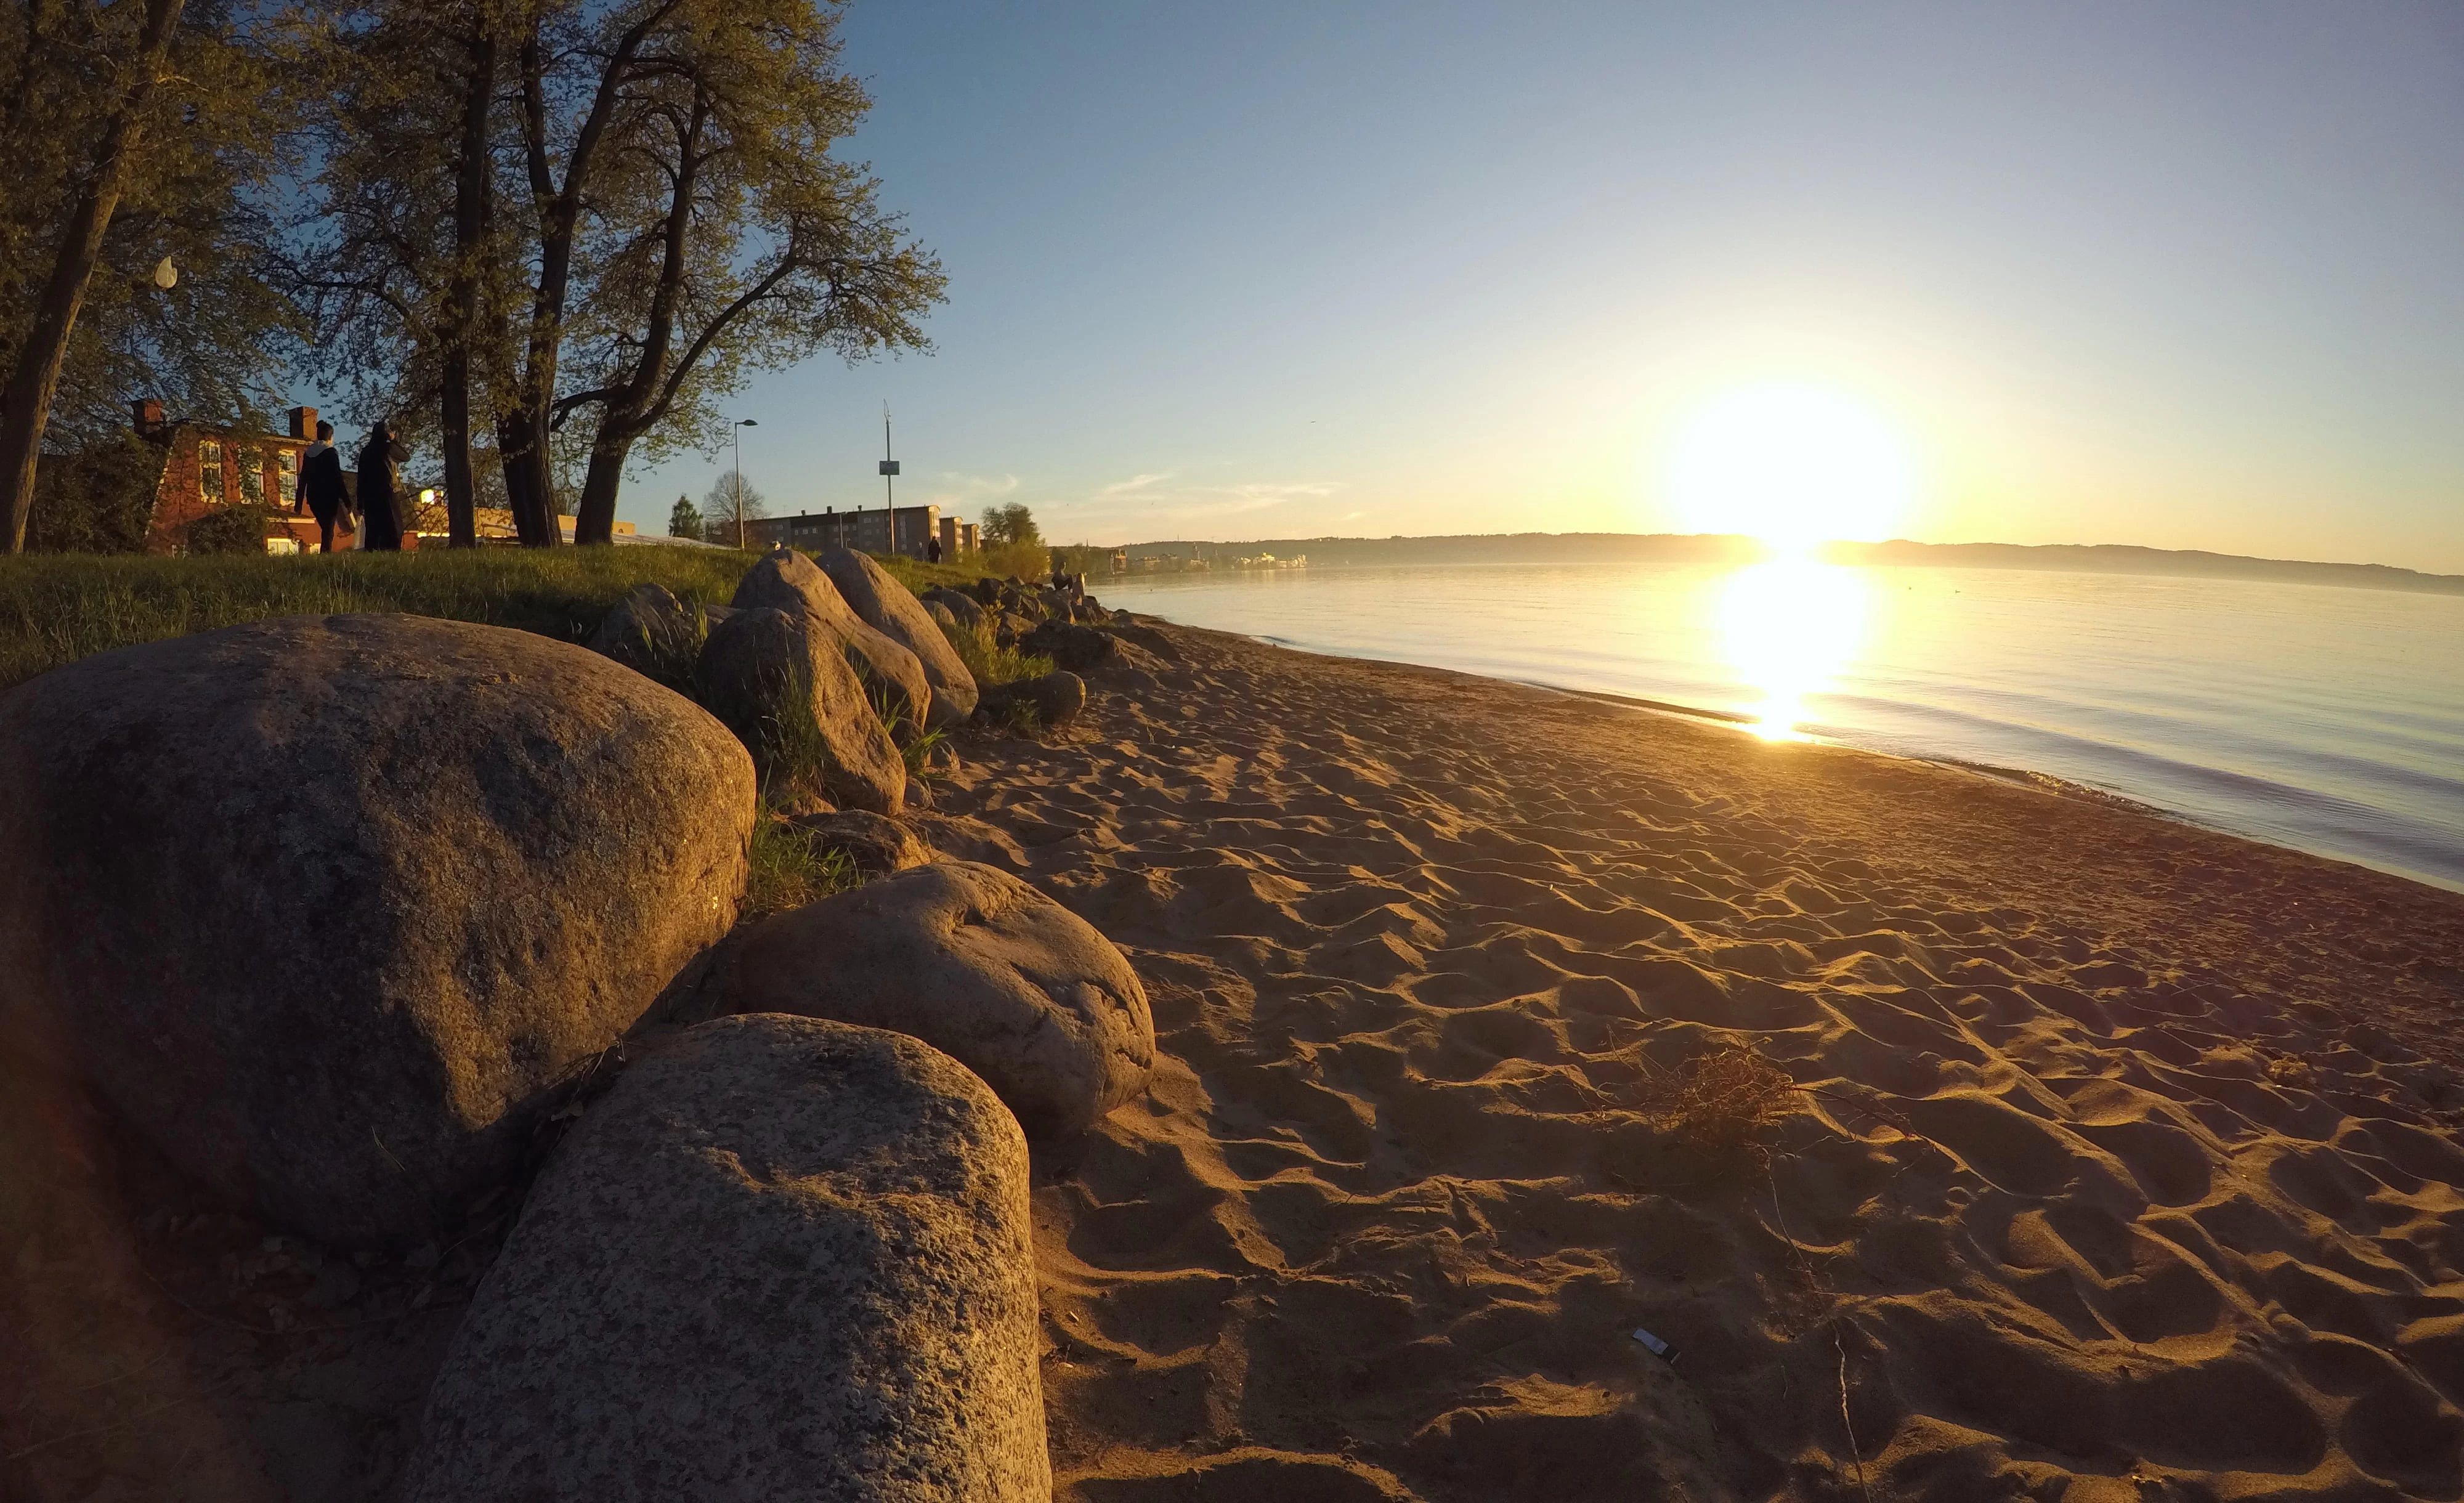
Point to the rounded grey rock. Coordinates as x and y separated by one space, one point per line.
778 681
784 1259
331 907
887 605
978 964
786 579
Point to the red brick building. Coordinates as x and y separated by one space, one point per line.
205 466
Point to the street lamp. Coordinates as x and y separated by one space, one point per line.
738 436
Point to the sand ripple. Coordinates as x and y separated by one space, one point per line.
2122 1168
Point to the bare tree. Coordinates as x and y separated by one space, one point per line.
732 502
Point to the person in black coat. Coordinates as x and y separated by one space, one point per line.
380 460
321 492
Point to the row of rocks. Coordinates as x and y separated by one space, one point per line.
338 912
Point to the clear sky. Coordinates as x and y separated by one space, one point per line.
2186 274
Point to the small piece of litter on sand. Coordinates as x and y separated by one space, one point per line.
1657 1347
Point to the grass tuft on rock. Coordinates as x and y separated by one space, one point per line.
791 867
990 663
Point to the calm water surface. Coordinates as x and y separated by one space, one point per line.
2325 718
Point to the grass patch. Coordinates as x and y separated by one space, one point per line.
791 867
920 576
990 663
58 608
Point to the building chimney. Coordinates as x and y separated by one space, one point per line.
147 416
303 422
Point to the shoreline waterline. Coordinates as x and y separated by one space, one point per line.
2312 718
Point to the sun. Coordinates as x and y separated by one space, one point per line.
1791 464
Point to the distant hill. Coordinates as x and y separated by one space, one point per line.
1595 547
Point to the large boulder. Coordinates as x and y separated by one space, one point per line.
331 907
886 605
978 964
780 682
784 1259
785 580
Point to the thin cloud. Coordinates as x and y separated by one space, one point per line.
1133 484
961 487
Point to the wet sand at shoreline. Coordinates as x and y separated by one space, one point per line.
2121 1162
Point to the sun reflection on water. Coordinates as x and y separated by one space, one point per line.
1787 626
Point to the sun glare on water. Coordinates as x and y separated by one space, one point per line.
1794 464
1791 464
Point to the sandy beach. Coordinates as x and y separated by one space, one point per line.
2121 1163
2112 1159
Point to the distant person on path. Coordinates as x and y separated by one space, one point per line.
321 487
932 550
380 460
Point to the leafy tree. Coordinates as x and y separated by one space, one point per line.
98 498
134 133
1011 523
732 502
733 242
684 519
581 76
401 258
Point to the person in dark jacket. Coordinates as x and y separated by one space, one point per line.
321 492
380 498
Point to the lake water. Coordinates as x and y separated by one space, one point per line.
2320 718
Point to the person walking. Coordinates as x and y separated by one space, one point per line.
321 492
932 550
380 460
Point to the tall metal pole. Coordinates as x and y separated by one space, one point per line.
888 482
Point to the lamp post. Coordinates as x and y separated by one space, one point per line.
738 436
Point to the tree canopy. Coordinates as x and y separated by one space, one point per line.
1010 523
142 139
544 238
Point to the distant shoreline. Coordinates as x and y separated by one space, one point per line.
1605 547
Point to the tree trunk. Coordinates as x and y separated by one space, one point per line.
27 408
527 483
609 447
470 222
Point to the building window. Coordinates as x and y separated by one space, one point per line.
252 474
209 470
286 476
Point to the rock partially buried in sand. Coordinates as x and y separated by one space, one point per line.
978 964
886 605
1080 649
784 1259
778 681
875 846
328 906
1055 699
785 580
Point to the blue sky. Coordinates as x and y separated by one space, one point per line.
2181 275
